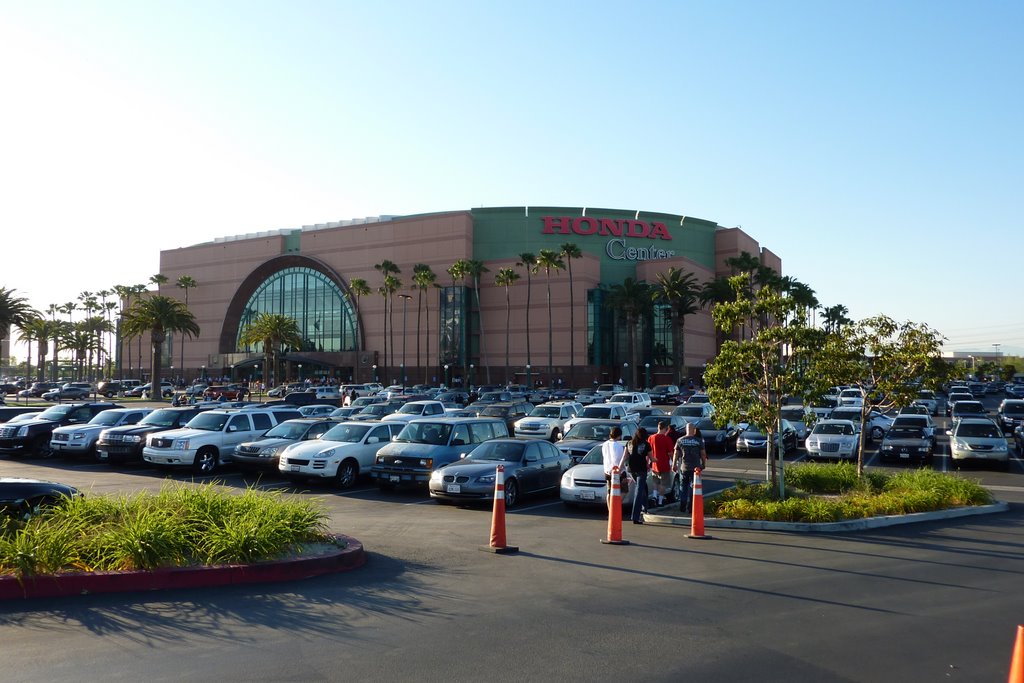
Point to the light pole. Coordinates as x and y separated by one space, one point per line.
446 374
405 309
203 369
529 384
625 374
232 372
375 373
401 369
471 374
647 375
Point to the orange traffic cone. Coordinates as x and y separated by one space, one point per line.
615 512
697 517
1017 663
498 517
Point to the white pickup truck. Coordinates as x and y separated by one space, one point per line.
209 439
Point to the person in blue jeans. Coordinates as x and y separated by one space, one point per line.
638 460
688 455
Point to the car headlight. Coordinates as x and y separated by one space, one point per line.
436 475
181 445
1001 448
426 462
888 447
567 480
486 479
380 460
269 452
326 454
77 436
132 438
23 431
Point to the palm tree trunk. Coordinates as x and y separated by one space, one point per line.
551 347
508 323
419 323
572 327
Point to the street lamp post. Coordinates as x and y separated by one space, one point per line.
300 372
401 370
232 372
647 375
203 370
375 373
471 375
446 374
625 374
529 385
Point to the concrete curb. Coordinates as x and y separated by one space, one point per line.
831 527
352 556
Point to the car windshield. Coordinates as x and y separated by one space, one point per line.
585 392
706 424
593 457
346 433
495 411
376 410
689 411
288 430
491 396
826 428
432 433
621 398
650 423
852 415
161 418
905 433
505 451
107 418
55 413
968 407
926 395
411 409
986 431
910 421
596 411
1014 409
588 431
793 414
545 411
660 389
210 422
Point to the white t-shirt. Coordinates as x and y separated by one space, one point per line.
611 452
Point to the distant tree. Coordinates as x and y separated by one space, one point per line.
157 315
570 252
358 288
548 260
507 277
387 289
14 312
527 260
159 280
681 291
632 300
273 331
423 280
185 282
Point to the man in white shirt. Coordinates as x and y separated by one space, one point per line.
612 454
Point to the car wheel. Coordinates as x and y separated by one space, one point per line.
41 446
206 461
554 435
877 433
348 472
511 493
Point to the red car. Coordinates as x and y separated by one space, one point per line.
230 392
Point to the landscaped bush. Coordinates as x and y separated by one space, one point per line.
179 526
832 493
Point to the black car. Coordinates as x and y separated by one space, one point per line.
665 394
717 439
753 440
24 497
510 412
909 442
33 436
8 412
121 444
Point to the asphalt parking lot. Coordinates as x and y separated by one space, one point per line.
922 602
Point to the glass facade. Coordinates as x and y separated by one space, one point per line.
325 317
454 304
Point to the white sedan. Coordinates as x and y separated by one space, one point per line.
832 439
341 454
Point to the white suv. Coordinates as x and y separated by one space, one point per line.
547 421
209 439
413 410
632 400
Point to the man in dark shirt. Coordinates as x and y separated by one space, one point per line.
687 456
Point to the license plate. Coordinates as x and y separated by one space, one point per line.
295 468
453 488
587 495
395 479
905 455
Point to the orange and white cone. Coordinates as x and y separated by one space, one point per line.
697 516
1017 663
498 544
615 512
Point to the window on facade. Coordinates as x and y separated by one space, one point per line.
326 318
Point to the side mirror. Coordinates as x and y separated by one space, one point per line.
372 439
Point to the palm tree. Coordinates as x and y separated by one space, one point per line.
632 300
37 329
458 271
272 330
391 285
138 290
423 278
358 287
185 282
386 268
89 304
681 291
507 277
157 315
527 260
571 251
548 260
14 310
834 318
159 280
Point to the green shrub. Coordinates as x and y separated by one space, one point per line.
179 526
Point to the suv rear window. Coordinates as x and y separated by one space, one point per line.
262 421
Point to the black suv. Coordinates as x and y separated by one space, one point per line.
33 436
121 444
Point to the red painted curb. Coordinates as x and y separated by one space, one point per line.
352 556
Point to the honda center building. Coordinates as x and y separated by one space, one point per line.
554 326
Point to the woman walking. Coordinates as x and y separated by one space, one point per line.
638 459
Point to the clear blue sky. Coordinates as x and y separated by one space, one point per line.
875 146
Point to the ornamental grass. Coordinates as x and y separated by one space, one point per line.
833 493
180 526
